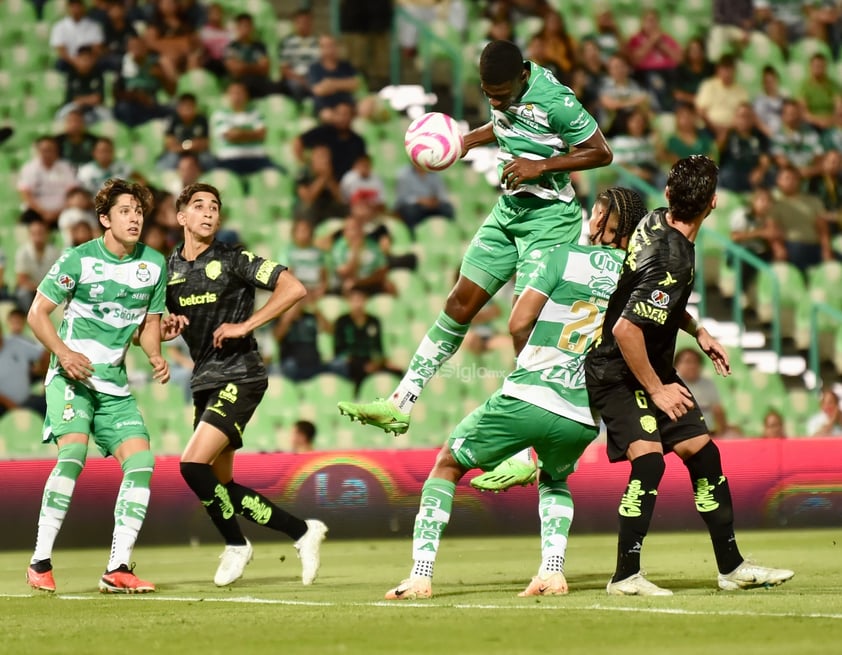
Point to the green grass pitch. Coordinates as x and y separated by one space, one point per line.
475 608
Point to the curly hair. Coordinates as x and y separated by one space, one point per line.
629 207
692 185
115 187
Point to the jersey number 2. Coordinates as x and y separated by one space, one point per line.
579 333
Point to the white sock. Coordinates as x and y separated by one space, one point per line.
57 494
524 456
129 513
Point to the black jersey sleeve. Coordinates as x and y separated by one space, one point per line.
658 292
255 270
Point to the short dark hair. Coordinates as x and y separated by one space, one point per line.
115 187
630 209
104 139
771 69
688 351
500 62
307 429
17 310
692 185
187 97
189 191
727 61
243 16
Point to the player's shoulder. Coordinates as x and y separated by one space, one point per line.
151 255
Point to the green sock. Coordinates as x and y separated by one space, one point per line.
57 494
130 509
555 507
430 522
438 345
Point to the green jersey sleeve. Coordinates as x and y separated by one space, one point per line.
570 119
59 284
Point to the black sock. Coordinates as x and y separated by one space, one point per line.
42 565
636 509
214 496
257 508
713 502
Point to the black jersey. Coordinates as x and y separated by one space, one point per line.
219 288
655 283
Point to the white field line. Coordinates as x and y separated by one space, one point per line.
562 605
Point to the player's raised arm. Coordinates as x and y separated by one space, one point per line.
480 136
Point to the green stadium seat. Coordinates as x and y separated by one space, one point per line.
378 385
228 183
22 430
792 290
200 83
282 398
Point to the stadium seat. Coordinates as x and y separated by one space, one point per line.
378 385
791 288
200 83
282 398
228 183
22 432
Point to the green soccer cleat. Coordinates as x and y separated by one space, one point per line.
509 473
381 413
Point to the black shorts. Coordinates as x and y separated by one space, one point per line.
228 408
630 415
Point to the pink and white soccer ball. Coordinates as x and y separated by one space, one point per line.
433 141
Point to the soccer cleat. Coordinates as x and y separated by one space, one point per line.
122 580
233 562
509 473
750 576
412 588
636 585
308 548
381 414
42 581
548 584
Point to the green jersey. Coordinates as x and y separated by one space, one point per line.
544 122
577 281
307 264
107 299
370 261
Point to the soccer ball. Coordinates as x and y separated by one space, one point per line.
433 141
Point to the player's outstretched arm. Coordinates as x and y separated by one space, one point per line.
480 136
149 337
288 291
672 399
591 153
76 365
524 314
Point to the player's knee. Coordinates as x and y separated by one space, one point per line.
192 472
77 452
465 300
142 460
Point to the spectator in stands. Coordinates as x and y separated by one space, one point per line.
744 157
4 292
215 38
20 361
246 58
301 437
72 32
694 69
588 75
732 25
76 144
754 228
687 139
424 12
136 89
619 93
84 89
78 210
238 134
358 340
819 95
419 195
553 47
104 166
44 182
171 35
773 425
346 146
305 261
655 56
802 221
366 27
796 143
828 421
188 171
768 105
688 364
633 145
16 322
186 131
608 36
296 333
118 29
296 53
333 81
359 260
719 97
827 186
33 260
786 14
317 192
362 176
832 136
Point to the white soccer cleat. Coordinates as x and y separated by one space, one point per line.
750 576
308 548
233 562
413 588
636 585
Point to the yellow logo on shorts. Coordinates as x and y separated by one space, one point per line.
648 423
